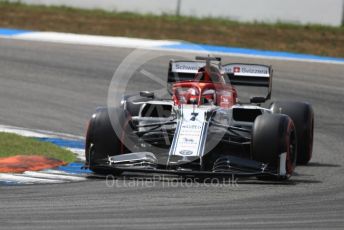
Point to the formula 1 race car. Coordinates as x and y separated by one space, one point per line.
202 130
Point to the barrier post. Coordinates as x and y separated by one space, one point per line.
178 7
343 14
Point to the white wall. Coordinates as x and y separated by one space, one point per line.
327 12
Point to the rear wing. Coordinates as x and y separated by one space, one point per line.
234 73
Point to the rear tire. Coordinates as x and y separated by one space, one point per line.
273 138
102 140
303 117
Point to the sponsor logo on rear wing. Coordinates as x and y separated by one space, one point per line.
183 70
248 70
186 67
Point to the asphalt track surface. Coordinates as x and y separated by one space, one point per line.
56 87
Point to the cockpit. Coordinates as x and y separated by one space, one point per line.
193 95
207 88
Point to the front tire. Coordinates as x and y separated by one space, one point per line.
102 140
303 117
274 143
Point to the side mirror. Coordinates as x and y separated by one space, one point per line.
257 100
147 94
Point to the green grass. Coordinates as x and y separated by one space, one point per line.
311 39
13 144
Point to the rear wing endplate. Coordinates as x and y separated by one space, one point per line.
250 75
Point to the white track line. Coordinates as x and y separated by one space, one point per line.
54 176
37 133
21 179
83 39
59 172
41 177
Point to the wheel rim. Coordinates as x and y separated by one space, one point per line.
311 136
291 153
